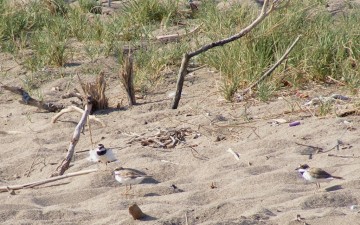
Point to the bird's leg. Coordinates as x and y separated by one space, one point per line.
126 190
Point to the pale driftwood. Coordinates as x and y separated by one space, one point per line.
235 154
41 182
75 109
343 156
267 73
176 37
65 164
265 11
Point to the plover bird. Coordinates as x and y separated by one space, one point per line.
315 174
102 154
128 177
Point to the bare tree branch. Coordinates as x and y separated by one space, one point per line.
267 8
267 73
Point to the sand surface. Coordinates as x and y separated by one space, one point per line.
212 186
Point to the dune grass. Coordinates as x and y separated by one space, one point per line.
40 34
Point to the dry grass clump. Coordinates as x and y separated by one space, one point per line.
127 78
96 91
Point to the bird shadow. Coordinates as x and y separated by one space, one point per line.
334 188
150 180
151 194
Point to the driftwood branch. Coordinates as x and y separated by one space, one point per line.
267 73
64 165
176 37
41 182
265 11
28 100
343 156
75 109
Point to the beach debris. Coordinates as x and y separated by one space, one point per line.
322 100
219 138
165 138
41 182
213 185
348 112
235 154
354 207
276 122
300 219
136 212
295 123
175 189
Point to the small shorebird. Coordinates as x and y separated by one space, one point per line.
128 177
315 174
102 154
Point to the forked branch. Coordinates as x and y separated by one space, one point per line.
265 11
65 164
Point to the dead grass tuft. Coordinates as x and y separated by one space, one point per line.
96 91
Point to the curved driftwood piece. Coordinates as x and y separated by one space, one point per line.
267 8
64 165
41 182
73 108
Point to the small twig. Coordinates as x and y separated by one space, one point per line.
235 154
37 183
310 146
186 219
343 156
199 155
336 81
176 37
32 164
195 69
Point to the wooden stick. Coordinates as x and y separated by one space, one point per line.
64 165
28 100
265 11
41 182
73 108
343 156
267 73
